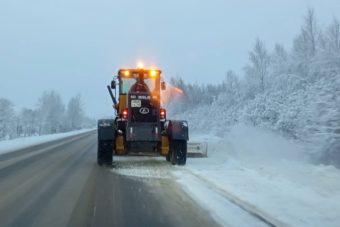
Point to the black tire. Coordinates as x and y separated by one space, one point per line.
99 155
173 158
167 157
181 152
105 152
178 154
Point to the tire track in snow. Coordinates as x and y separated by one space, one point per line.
249 208
145 168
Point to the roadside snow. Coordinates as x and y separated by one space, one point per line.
269 172
221 208
263 173
20 143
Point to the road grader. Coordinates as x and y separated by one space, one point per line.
141 126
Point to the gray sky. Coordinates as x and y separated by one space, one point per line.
75 46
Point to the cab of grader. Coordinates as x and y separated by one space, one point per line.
140 126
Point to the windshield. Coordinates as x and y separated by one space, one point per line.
126 83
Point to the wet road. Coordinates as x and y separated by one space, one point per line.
60 184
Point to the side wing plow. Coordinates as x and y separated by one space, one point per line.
197 149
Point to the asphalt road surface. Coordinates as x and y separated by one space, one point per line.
60 184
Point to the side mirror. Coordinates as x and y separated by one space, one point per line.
113 84
163 85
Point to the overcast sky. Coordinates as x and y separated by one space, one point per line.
75 46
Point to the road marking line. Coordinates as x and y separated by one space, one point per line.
94 211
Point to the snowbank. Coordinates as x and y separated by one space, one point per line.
16 144
265 173
271 173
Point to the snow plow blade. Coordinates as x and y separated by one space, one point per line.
197 150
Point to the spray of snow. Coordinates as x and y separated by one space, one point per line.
249 143
171 93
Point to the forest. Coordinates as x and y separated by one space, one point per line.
294 92
49 117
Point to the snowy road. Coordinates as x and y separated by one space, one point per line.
59 184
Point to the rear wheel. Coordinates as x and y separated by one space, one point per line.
167 157
173 158
181 152
178 153
99 155
105 152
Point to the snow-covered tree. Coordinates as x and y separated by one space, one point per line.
311 33
331 47
333 37
232 85
75 113
29 121
51 113
279 61
306 45
7 119
257 70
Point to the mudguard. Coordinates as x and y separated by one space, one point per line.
106 129
177 129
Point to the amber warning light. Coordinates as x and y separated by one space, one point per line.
126 73
153 73
163 113
125 113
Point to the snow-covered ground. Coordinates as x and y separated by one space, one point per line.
262 172
15 144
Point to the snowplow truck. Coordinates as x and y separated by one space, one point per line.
140 126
